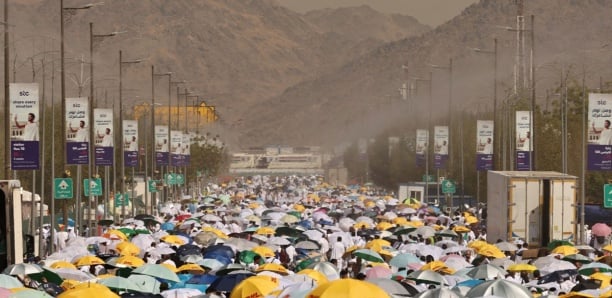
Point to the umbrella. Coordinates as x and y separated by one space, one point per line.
402 260
88 261
486 271
62 264
565 250
319 277
190 267
29 293
230 268
393 287
368 255
211 218
128 249
439 292
74 274
240 244
273 268
314 235
182 293
263 251
255 286
447 233
22 269
287 231
90 290
158 271
456 262
327 268
347 288
212 264
120 283
506 246
188 249
500 288
427 276
289 218
577 258
556 243
308 245
162 250
601 230
173 239
588 269
130 261
115 235
378 272
426 231
205 238
147 283
228 282
278 241
9 282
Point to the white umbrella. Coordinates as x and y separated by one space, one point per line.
278 241
181 293
310 245
486 271
162 250
346 223
499 287
439 292
143 241
425 231
315 235
506 246
240 244
75 274
211 218
457 263
327 268
390 215
213 264
22 269
96 240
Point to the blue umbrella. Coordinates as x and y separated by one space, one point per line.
228 282
219 249
167 226
306 224
60 220
202 279
219 257
402 260
470 283
188 249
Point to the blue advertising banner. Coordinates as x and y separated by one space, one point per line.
599 146
422 143
524 149
77 131
24 128
161 145
130 143
177 150
440 147
484 145
185 156
104 137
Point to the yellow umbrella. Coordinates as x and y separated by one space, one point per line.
299 208
131 261
173 239
438 266
400 221
69 284
191 267
319 277
415 223
369 204
461 229
278 268
217 232
347 288
522 267
255 286
377 244
361 224
565 250
471 219
89 290
88 261
382 226
128 249
62 264
491 251
603 279
254 205
103 276
607 248
477 244
115 234
265 231
263 251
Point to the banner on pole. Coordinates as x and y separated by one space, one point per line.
524 128
440 146
177 149
24 129
77 131
130 143
484 145
599 143
104 137
161 145
422 144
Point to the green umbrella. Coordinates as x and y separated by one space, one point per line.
127 232
225 199
10 282
120 283
295 213
248 257
304 264
553 244
124 272
403 230
369 255
291 232
139 231
577 258
158 271
47 273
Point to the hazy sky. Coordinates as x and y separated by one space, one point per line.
429 12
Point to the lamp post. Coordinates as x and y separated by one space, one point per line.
121 63
430 81
154 154
495 124
93 171
449 68
170 83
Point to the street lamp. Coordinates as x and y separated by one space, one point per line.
430 81
449 167
121 63
154 155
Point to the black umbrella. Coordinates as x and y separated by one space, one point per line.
219 249
141 295
188 249
557 276
105 222
228 282
288 231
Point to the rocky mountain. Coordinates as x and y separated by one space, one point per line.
234 53
361 97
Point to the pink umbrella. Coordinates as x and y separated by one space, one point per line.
379 272
601 229
4 293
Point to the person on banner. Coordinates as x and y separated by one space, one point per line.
487 148
442 148
30 128
163 147
605 134
82 135
131 145
178 150
107 138
525 143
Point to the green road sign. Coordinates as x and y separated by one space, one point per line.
429 178
448 187
198 173
607 195
95 185
153 185
122 200
171 179
180 179
62 188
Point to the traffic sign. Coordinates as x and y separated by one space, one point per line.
607 195
448 187
122 200
171 179
153 185
95 185
62 188
180 179
428 178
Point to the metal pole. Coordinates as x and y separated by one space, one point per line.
462 159
52 207
92 169
153 153
495 124
146 163
122 137
583 166
43 119
532 142
169 166
7 121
